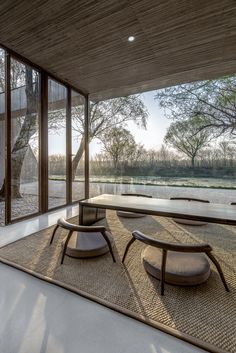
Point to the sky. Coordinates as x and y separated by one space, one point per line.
152 137
157 125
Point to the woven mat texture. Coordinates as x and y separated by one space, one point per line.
206 312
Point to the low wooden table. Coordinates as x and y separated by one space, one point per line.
94 209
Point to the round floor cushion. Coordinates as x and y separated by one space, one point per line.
189 222
129 214
184 269
83 245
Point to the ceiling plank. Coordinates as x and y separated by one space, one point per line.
85 42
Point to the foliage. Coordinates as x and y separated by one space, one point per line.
213 101
210 162
187 137
214 161
106 115
119 145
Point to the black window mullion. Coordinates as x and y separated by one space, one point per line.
7 138
86 147
68 149
43 143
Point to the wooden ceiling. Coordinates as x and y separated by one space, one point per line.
84 42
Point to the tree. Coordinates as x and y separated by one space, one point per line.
213 101
120 146
186 137
227 151
28 124
106 115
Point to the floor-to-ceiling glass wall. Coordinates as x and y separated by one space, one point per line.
174 142
77 143
57 173
42 133
25 103
2 136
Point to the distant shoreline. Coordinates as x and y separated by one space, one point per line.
153 184
174 185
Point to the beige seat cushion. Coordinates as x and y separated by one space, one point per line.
129 214
87 244
189 222
184 269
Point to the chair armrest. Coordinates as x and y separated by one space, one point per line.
171 246
78 228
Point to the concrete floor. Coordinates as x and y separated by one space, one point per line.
37 317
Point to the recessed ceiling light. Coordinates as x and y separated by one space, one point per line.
131 38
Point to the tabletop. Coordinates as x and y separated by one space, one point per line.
208 212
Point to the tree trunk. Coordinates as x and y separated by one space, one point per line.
2 191
193 162
115 164
77 158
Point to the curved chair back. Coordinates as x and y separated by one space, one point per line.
70 227
78 228
171 246
189 199
139 195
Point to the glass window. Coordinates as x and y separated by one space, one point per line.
115 155
25 100
57 98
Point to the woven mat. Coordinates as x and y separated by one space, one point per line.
204 315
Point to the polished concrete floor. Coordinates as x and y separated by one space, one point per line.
37 317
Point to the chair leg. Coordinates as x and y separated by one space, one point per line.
65 245
53 234
219 269
163 270
127 248
109 245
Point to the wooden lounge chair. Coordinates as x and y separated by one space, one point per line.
188 221
178 264
132 214
84 241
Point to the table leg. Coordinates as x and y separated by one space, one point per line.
81 210
90 215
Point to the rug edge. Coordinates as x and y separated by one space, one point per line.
173 332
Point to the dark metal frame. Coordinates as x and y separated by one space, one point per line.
68 149
43 138
86 147
43 144
7 138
